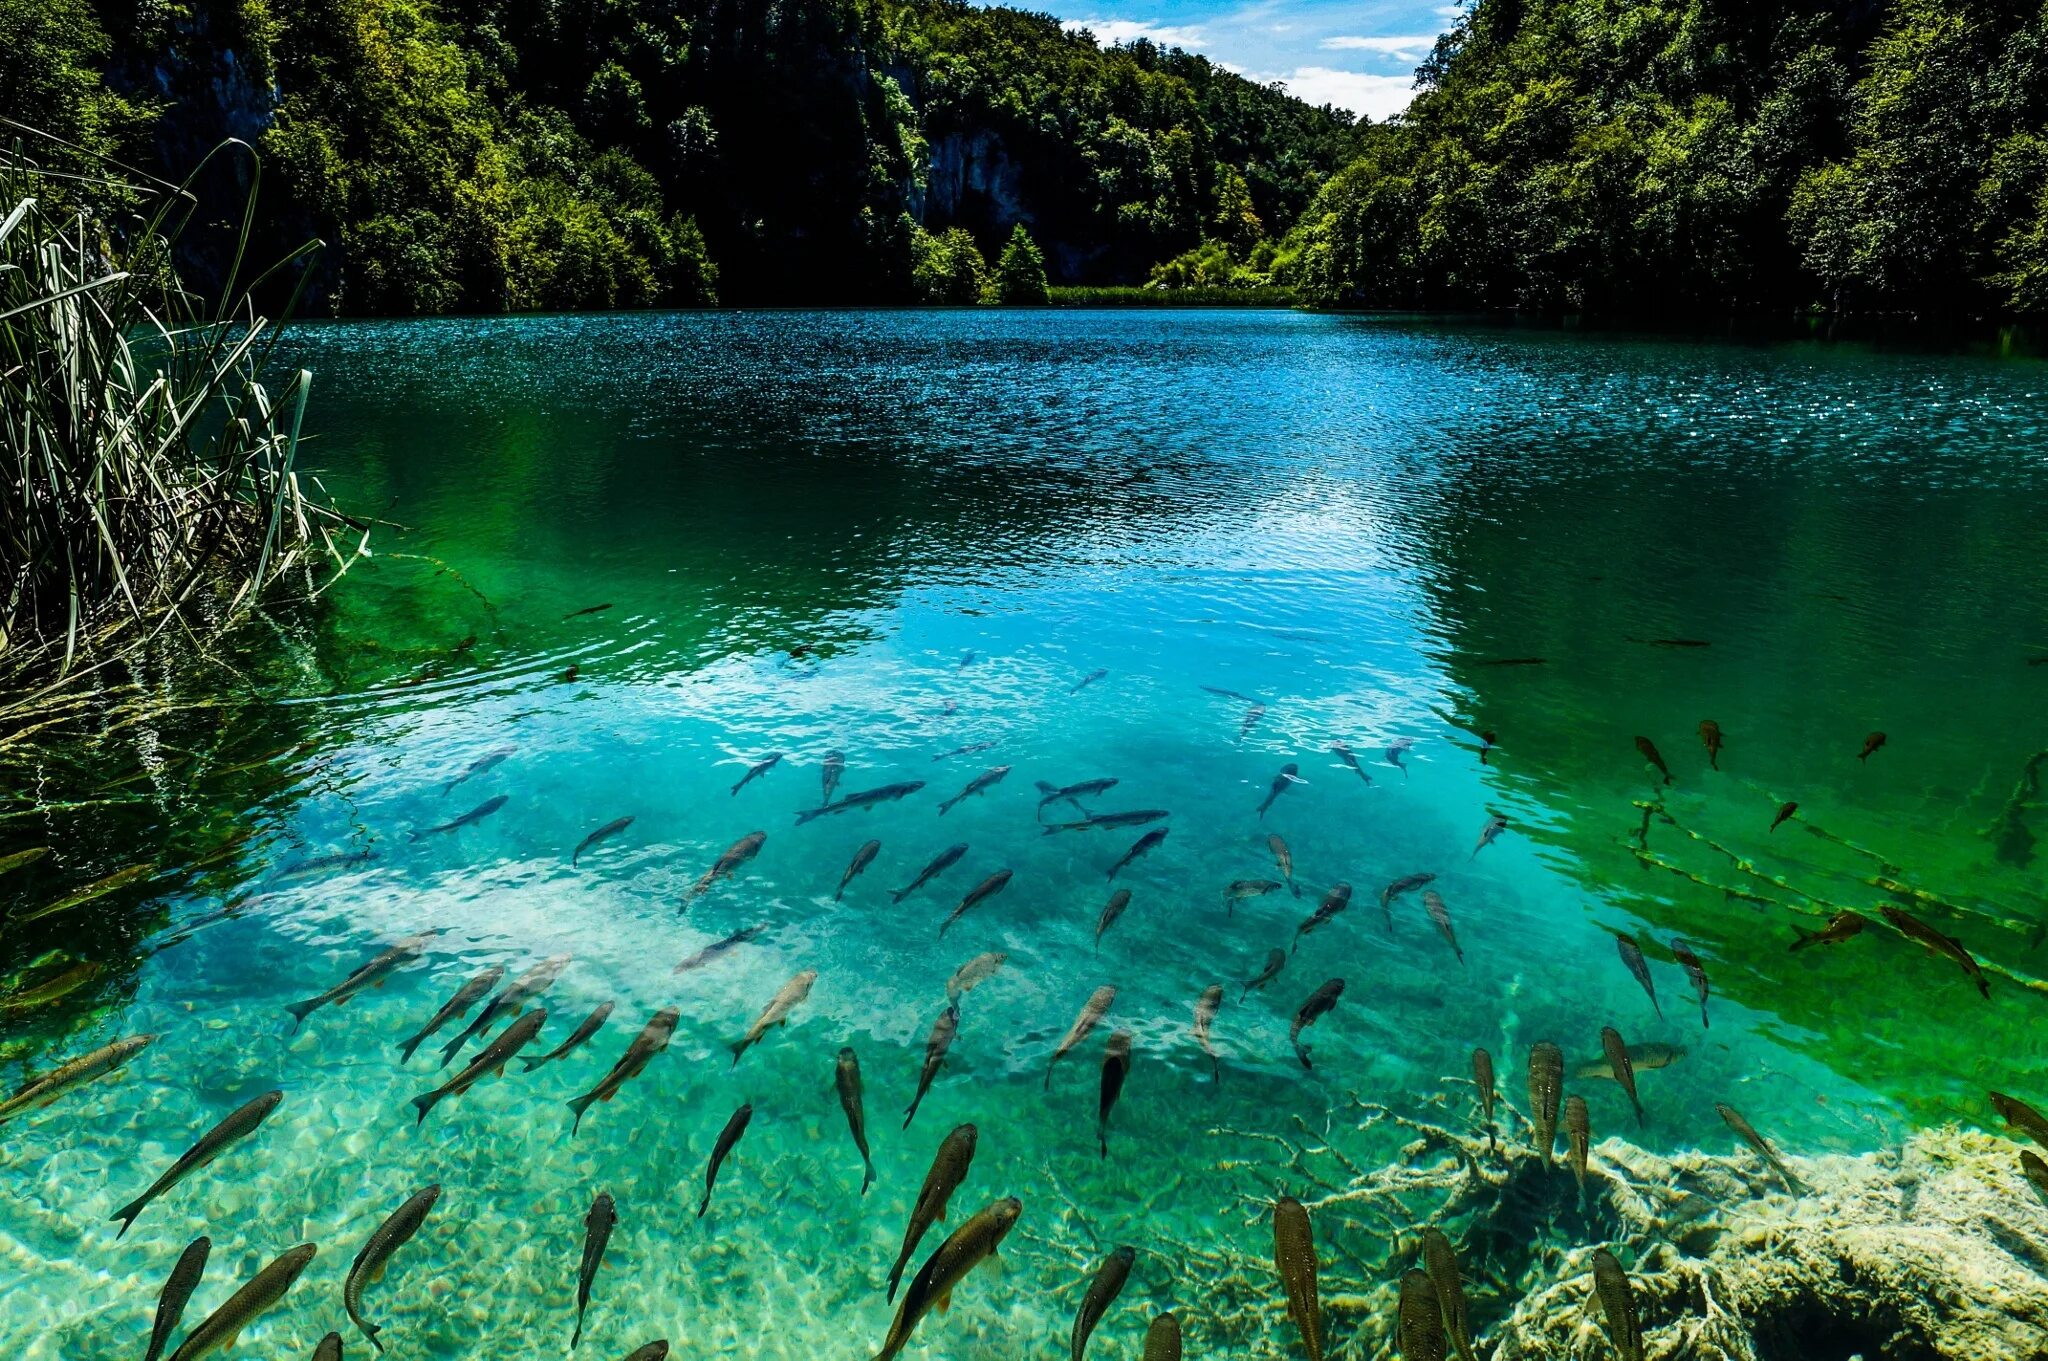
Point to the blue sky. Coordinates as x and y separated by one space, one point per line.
1359 55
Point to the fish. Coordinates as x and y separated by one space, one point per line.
1093 676
1495 825
1441 915
1240 889
1283 858
1710 737
1839 928
935 1046
492 1058
1440 1267
597 1233
68 1077
1616 1051
569 676
1116 1066
587 1027
777 1011
22 859
949 1168
1640 1057
1870 744
967 658
1092 1011
1319 1002
328 1348
1111 910
1294 1257
239 1125
1650 754
847 1078
1407 883
465 997
1344 754
177 1293
1546 1084
1138 848
988 779
1785 811
1482 1081
1487 741
1764 1149
1632 957
830 772
369 975
1578 1136
727 1137
758 769
488 761
319 864
2018 1115
720 947
1103 1288
508 1003
969 750
609 830
656 1350
1049 794
370 1264
652 1039
1206 1007
588 609
1336 900
258 1294
2036 1172
1162 1339
1276 960
1251 720
1100 822
1913 929
473 816
941 862
1419 1320
980 893
1290 774
972 973
1695 971
1394 753
1618 1302
862 858
53 989
935 1283
737 854
1222 693
865 800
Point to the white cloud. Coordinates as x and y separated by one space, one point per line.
1379 97
1109 32
1409 47
1449 12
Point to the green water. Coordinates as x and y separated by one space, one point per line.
897 535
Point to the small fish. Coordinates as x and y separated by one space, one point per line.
1785 811
1251 720
1334 901
727 1137
509 1003
1695 971
1487 742
597 1233
651 1040
1276 960
1162 1339
1433 902
1733 1119
862 858
719 947
238 1126
1870 744
830 772
847 1078
587 1027
935 1047
1100 822
1395 752
777 1011
320 864
737 854
1578 1137
987 779
2018 1115
1632 957
973 972
610 829
1650 754
1934 942
1222 693
21 859
758 769
1839 928
866 799
328 1348
492 1058
1407 883
972 748
1618 1302
1088 680
69 1077
569 676
1640 1057
1240 889
245 1306
1495 825
979 894
177 1293
1710 737
1482 1080
936 1281
1093 1010
1049 794
588 609
1283 858
474 815
1419 1321
1116 1066
1616 1051
1290 774
949 1168
370 1264
1106 1285
1440 1266
52 989
465 997
1111 910
1139 847
941 862
1546 1085
967 658
1344 754
1294 1257
1206 1007
2036 1172
490 760
369 975
1319 1002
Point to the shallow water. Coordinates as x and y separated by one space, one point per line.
903 534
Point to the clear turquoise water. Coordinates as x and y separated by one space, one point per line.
802 523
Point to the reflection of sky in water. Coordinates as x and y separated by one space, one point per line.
1335 517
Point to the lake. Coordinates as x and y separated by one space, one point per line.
621 561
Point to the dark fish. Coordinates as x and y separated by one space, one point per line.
1578 1137
1870 744
973 972
1407 883
1111 910
260 1293
942 862
1100 822
1616 1052
476 814
1344 754
1092 1011
1546 1085
1395 752
1934 942
1251 720
862 858
1640 1057
979 894
572 673
719 947
1840 927
847 1077
936 1281
1420 1323
758 769
1495 825
1088 680
1102 1291
1049 794
589 1026
831 771
727 1137
588 609
1618 1302
656 1350
776 1013
1441 915
969 750
1290 774
68 1077
2036 1172
1486 744
1138 848
328 1348
737 854
487 761
1710 736
967 658
1116 1066
1785 810
610 829
987 779
1276 960
1318 1003
1222 693
1240 889
597 1232
320 864
948 1170
1695 971
370 1264
935 1046
652 1039
510 1002
1284 859
1632 957
1162 1339
465 997
1650 754
492 1058
216 1141
1440 1265
1733 1119
1482 1080
369 975
866 799
1206 1007
1335 901
2018 1115
1294 1257
177 1293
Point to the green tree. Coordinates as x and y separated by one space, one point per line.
1020 273
948 267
